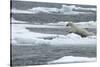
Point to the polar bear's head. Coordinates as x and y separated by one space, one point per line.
69 24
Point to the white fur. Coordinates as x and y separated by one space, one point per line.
78 30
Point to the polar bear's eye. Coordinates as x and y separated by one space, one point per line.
67 25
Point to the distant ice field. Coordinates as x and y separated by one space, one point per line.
53 12
65 9
29 5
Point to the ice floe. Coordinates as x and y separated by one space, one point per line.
72 59
20 35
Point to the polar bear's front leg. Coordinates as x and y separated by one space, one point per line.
70 30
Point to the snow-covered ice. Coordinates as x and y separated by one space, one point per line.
16 21
71 59
20 35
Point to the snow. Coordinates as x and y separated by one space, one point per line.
16 21
20 11
71 59
44 9
80 8
65 9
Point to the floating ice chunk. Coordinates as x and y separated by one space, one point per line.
81 8
44 9
73 41
73 36
16 21
71 59
20 11
67 9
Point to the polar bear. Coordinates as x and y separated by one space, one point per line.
78 30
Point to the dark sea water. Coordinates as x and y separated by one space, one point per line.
37 55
